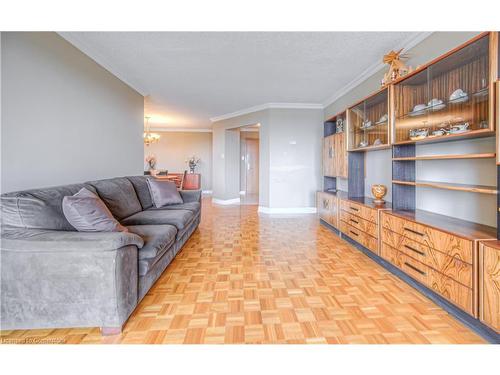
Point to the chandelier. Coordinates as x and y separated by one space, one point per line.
148 136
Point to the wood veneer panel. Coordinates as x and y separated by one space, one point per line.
359 236
366 226
448 288
453 267
456 227
489 284
359 210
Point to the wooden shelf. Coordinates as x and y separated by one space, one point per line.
483 189
370 148
451 137
448 157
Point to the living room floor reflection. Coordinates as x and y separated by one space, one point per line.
249 278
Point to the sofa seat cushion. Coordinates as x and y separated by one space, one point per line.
158 239
119 195
190 206
178 218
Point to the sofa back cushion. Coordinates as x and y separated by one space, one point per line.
164 193
140 184
38 208
119 195
87 213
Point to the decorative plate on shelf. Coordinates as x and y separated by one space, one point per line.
418 110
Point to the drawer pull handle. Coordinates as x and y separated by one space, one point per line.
413 231
356 234
415 250
354 221
414 268
354 208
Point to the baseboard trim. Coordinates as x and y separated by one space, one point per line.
470 322
206 192
225 202
243 192
287 210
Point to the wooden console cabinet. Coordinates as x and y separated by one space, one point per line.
489 284
438 251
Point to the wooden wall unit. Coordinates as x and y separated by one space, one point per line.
489 284
445 254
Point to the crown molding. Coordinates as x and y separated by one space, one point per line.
180 130
375 67
262 107
91 52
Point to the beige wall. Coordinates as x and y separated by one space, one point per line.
174 148
65 119
468 206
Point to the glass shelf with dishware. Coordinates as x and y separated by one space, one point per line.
449 98
368 123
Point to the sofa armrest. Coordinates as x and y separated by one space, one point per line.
58 279
190 195
40 240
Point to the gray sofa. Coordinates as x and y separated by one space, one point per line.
55 277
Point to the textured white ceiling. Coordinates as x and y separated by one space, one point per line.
190 77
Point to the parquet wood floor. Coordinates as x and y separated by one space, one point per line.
249 278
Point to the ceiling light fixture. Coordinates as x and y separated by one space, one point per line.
149 137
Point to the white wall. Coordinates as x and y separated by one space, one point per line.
295 157
289 156
174 148
479 208
65 119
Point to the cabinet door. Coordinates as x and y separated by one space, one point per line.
333 211
328 156
489 294
341 155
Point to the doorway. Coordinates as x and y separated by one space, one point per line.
249 169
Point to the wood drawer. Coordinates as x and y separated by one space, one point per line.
359 236
448 288
449 266
359 223
359 210
446 243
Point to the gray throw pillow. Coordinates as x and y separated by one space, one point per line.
163 193
87 213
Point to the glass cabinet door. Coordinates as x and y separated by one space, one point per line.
369 123
450 97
